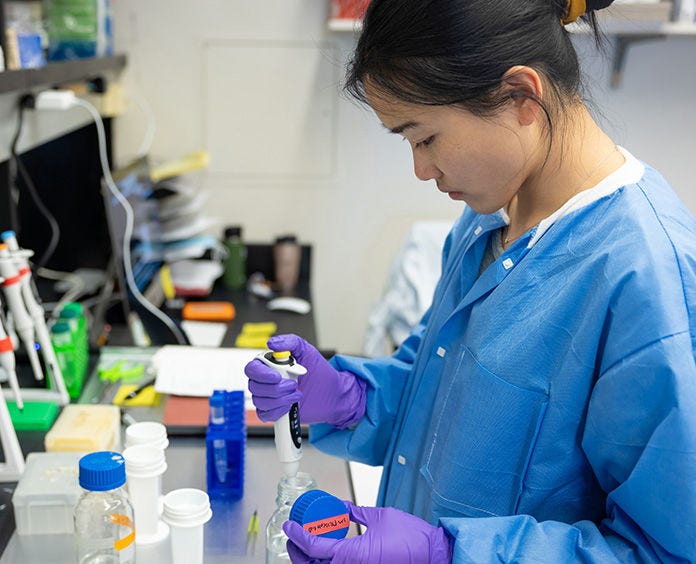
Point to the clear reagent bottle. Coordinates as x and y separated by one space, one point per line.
104 527
289 489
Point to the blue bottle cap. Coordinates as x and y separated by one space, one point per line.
7 235
102 471
217 399
321 514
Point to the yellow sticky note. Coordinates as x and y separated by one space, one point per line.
251 341
177 167
147 397
261 329
166 281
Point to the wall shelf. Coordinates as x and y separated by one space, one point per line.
59 73
344 24
610 27
627 23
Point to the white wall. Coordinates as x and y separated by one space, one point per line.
356 214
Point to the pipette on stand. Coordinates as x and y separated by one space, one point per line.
7 361
36 311
288 434
22 320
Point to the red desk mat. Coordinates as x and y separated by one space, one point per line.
188 415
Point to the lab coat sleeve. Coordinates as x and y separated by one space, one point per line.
640 438
385 378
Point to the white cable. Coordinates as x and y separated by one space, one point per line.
129 224
71 295
149 137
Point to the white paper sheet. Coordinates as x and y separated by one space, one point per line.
204 333
197 371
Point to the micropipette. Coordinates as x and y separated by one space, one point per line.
7 361
288 434
33 306
22 320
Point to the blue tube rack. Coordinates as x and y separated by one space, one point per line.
225 443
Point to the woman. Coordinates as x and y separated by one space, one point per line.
545 407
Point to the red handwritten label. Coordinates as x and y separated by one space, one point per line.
327 525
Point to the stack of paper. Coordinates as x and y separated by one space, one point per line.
198 371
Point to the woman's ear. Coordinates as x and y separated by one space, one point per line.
525 88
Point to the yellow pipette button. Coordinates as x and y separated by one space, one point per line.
281 355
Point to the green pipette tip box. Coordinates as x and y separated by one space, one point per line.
36 416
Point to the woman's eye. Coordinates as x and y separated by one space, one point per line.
425 142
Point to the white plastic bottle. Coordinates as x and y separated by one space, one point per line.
289 489
104 522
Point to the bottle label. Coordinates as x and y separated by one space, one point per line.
328 525
127 541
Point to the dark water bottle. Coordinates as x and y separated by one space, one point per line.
234 275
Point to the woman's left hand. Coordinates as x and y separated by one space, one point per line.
392 536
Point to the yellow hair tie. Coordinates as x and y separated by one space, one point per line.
573 10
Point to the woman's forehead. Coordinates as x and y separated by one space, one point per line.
391 109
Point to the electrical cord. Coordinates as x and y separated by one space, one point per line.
71 295
18 165
130 279
149 137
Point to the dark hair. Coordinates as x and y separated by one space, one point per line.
444 52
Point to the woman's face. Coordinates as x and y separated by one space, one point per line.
482 162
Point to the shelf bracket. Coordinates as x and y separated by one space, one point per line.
621 45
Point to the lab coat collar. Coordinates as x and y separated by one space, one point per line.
499 270
485 226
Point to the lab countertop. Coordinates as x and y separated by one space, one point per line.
226 533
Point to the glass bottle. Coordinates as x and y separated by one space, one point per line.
234 273
289 489
287 255
104 528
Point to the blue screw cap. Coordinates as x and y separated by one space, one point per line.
102 471
217 399
321 514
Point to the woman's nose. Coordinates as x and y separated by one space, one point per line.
424 168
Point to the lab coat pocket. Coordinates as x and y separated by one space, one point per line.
483 440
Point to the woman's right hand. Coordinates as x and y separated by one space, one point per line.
324 394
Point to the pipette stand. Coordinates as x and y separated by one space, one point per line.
41 394
57 393
13 467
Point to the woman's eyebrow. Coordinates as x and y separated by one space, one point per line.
401 128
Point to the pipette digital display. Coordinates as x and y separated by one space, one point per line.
288 433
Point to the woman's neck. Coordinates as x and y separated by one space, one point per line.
585 156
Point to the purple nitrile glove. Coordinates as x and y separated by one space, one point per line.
392 536
325 395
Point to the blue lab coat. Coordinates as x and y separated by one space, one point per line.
546 410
